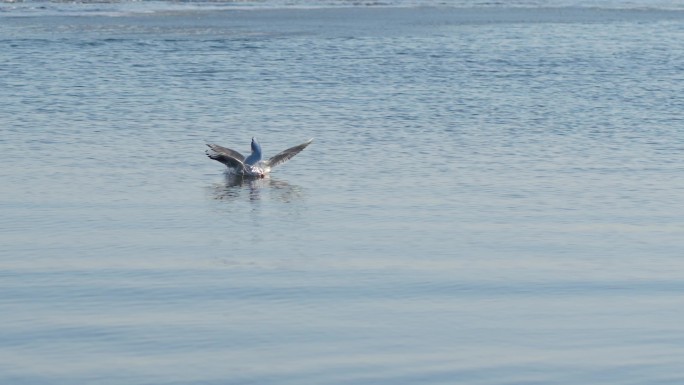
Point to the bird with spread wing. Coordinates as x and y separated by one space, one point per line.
252 165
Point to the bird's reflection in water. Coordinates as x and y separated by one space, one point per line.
236 187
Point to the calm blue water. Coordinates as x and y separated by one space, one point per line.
494 194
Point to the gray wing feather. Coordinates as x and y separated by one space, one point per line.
227 151
230 158
284 156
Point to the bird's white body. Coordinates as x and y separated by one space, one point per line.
258 170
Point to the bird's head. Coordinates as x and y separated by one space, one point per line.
256 147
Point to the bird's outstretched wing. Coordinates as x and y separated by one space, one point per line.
284 156
227 151
230 158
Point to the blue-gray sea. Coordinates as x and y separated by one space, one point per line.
494 194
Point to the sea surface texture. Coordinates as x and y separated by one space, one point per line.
494 194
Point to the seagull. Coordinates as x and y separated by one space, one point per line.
252 165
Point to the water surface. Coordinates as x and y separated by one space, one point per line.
493 196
